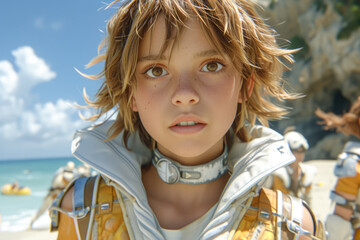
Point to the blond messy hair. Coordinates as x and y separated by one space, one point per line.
233 26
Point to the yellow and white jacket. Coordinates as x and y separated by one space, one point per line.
244 210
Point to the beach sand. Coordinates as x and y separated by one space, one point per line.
321 204
324 182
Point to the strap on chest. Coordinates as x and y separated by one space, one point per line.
83 198
282 215
106 216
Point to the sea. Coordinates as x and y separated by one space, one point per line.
17 211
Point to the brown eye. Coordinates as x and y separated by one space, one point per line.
156 71
212 67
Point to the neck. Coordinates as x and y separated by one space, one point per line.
211 153
294 165
176 205
296 169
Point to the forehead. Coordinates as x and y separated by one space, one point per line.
156 36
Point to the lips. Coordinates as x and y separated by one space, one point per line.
187 125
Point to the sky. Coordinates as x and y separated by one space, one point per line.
41 44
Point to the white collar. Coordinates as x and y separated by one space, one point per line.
172 172
248 161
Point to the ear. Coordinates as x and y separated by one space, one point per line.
133 104
249 90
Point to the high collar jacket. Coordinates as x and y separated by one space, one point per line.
249 165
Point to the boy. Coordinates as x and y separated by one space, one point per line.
296 178
181 161
344 223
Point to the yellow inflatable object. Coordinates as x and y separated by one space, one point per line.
7 189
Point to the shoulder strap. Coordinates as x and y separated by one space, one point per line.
83 195
282 215
55 208
293 215
94 194
292 218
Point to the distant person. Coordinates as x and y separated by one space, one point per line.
61 179
84 170
344 222
15 186
296 178
348 123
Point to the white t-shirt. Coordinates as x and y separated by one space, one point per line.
190 230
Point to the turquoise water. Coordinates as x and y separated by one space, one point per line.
17 211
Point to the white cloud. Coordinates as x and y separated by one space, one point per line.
32 71
23 123
56 26
8 78
10 105
41 23
15 85
32 66
46 122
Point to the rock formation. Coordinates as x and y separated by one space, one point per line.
327 68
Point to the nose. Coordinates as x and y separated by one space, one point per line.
185 93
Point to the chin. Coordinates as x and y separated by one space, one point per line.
189 151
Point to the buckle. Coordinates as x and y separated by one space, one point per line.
293 227
80 213
168 171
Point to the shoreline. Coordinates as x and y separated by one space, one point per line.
29 235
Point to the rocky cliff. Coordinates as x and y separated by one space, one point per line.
327 68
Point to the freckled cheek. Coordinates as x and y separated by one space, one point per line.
146 99
228 92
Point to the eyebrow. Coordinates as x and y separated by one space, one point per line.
153 57
207 53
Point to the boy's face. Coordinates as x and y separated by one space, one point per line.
299 155
186 102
